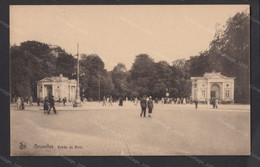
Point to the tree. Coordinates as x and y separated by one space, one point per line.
94 76
142 73
119 77
181 85
229 53
30 62
162 79
65 63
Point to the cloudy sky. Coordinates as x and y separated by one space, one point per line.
119 33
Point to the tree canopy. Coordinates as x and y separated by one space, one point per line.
229 53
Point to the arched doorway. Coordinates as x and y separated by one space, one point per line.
49 91
215 91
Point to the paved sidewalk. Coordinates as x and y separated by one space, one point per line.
114 130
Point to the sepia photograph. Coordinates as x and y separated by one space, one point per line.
129 80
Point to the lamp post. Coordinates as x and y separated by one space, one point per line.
77 102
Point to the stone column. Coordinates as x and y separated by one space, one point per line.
68 92
43 95
233 89
208 92
223 93
53 86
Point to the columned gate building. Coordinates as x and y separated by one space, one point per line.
59 87
213 85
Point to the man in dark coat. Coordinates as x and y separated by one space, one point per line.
22 103
52 105
214 102
120 101
143 103
64 100
196 103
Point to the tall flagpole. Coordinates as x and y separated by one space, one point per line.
77 102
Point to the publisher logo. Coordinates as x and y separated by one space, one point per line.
22 145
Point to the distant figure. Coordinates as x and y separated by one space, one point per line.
22 103
196 103
59 101
26 99
64 100
104 101
110 101
213 102
38 101
45 105
135 101
150 106
156 100
30 100
52 105
216 103
120 101
184 101
143 104
19 103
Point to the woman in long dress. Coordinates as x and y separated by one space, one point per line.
150 106
45 105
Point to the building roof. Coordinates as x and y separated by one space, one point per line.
58 79
212 75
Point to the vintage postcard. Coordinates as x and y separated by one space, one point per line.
129 80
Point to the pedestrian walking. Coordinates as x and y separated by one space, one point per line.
150 106
52 105
196 103
19 103
31 101
45 105
38 101
110 101
59 101
216 103
135 101
143 104
184 101
213 102
120 101
104 101
22 103
64 100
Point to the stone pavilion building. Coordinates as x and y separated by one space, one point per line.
59 87
213 85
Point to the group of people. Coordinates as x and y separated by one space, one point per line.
168 100
49 104
21 100
146 103
64 101
20 103
108 100
214 102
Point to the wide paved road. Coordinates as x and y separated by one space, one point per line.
96 130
